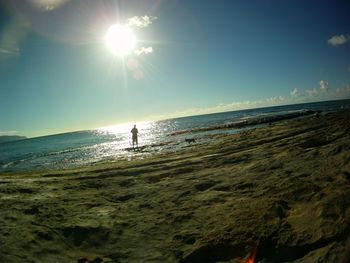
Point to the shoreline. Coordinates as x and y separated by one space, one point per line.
284 186
174 143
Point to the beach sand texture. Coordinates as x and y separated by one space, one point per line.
283 188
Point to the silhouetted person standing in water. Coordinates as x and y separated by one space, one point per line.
134 132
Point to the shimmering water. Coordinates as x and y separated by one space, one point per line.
108 144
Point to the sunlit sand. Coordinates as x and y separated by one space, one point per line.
283 189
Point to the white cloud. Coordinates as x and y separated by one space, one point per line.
343 92
338 40
295 93
143 50
141 21
324 86
274 100
309 95
312 92
325 92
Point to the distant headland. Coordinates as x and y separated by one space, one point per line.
10 138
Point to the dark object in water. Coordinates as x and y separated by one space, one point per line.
190 140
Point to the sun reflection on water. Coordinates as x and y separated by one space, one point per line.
149 133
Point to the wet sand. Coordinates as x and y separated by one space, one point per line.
283 188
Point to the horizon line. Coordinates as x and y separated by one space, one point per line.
155 119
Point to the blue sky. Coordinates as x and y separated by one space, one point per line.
202 56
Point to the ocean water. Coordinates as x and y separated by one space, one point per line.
74 149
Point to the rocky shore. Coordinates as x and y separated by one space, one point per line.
282 189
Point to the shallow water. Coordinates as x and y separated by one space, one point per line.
74 149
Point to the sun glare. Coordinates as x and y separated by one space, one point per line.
120 39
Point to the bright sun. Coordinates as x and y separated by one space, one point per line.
120 39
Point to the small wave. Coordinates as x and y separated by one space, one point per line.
12 163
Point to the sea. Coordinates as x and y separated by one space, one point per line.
113 143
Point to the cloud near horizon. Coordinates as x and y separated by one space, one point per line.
295 93
321 93
339 40
312 92
324 86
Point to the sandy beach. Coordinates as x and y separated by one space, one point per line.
283 189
